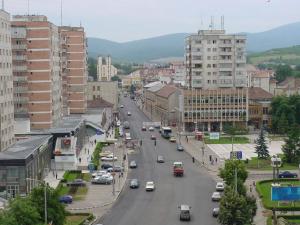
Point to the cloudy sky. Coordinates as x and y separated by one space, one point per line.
125 20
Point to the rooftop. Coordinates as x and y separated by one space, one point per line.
166 91
257 93
152 84
156 88
67 124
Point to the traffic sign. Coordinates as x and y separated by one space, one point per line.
236 155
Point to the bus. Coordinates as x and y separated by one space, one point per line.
166 132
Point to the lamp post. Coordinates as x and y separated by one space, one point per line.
114 141
45 195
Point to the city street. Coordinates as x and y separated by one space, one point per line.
136 207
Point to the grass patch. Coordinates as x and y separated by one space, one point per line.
71 175
293 220
78 218
265 164
264 190
80 193
96 153
117 134
228 140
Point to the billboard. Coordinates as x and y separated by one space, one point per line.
285 193
214 136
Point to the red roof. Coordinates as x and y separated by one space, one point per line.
166 91
257 93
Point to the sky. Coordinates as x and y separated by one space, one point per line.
126 20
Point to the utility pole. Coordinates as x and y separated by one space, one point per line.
113 186
235 180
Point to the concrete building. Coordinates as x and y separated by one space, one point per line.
215 60
260 78
290 86
73 69
6 84
105 70
150 97
132 79
36 70
106 90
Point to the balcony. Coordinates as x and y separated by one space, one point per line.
21 100
19 68
19 47
19 57
20 90
20 78
19 35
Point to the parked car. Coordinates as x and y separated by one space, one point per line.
180 148
76 182
134 183
105 166
157 126
287 174
99 173
220 186
216 196
104 179
67 199
118 123
126 125
215 212
151 128
121 106
150 186
133 164
115 169
144 128
128 113
160 159
172 139
153 137
105 153
185 213
109 158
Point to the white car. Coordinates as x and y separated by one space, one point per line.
118 123
216 196
151 128
109 158
150 186
220 186
128 113
99 173
121 106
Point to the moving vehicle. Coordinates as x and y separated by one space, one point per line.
216 196
178 170
220 186
172 139
160 159
128 113
133 164
67 199
180 148
153 137
166 132
127 137
151 128
134 183
287 174
215 211
144 128
121 106
126 125
150 186
185 213
76 182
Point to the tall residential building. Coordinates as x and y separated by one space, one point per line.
73 69
6 84
216 60
105 70
36 70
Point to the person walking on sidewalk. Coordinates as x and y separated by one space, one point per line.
187 140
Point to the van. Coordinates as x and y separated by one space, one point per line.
185 213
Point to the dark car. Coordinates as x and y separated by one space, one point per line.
153 137
287 174
115 169
133 164
134 183
76 182
106 166
180 148
67 199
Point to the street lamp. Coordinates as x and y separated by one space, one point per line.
114 141
45 195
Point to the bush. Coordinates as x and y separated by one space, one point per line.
96 154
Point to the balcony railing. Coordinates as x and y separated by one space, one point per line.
19 47
20 78
19 57
20 68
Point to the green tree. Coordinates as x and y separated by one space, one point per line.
282 72
228 174
92 68
234 209
291 148
7 218
55 210
116 78
283 124
261 147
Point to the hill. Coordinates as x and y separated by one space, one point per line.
172 45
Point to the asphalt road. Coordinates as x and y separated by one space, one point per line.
138 207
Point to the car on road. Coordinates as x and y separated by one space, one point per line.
215 211
153 137
133 164
157 126
128 113
105 166
180 148
115 169
160 159
126 125
172 139
144 128
185 213
76 182
151 128
150 186
67 199
220 186
287 174
216 196
134 183
121 106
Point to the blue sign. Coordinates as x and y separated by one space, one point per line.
285 194
99 132
236 155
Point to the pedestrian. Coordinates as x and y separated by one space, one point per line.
56 176
122 174
253 183
193 158
79 160
88 151
250 188
187 140
84 150
95 141
216 160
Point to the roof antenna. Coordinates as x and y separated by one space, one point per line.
28 7
61 13
3 5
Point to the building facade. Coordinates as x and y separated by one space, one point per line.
73 69
105 70
215 60
36 70
6 84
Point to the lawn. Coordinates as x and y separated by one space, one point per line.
265 164
292 219
264 190
228 140
80 193
76 219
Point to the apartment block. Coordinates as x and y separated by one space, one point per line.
6 84
215 59
73 69
36 70
105 70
